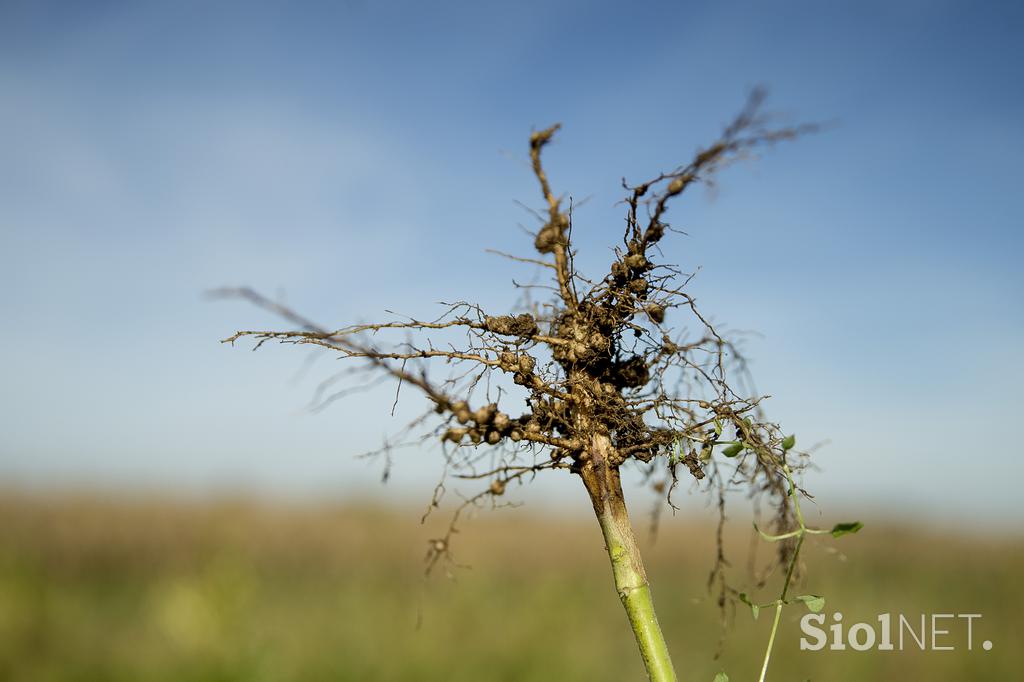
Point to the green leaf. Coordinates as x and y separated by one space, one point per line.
732 450
814 602
844 528
755 610
788 442
718 427
721 677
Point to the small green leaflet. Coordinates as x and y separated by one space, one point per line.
844 528
814 603
721 677
788 442
732 450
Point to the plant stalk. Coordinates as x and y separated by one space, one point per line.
605 489
800 534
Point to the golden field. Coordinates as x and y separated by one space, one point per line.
96 588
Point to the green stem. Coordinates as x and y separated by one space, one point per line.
782 602
771 642
635 593
605 488
800 534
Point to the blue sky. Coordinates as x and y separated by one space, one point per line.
340 154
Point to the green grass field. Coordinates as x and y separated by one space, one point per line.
95 589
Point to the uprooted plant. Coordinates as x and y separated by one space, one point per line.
605 379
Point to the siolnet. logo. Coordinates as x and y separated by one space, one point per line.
895 632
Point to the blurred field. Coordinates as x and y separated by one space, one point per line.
96 589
